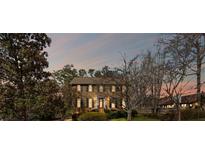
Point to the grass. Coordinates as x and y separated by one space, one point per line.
138 118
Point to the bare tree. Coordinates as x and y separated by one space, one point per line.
171 86
191 50
175 81
135 83
153 68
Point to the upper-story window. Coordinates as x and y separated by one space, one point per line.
101 89
113 88
123 89
78 88
90 88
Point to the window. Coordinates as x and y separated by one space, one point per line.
101 89
101 103
78 88
123 103
123 89
183 105
78 103
113 105
169 106
90 103
90 88
113 89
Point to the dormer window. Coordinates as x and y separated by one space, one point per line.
78 88
113 88
101 89
90 88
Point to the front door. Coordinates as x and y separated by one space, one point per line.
101 103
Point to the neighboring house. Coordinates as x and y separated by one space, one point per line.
187 101
94 93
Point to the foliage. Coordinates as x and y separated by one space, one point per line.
116 114
27 93
91 72
65 75
82 73
120 114
170 116
93 116
192 114
75 116
134 113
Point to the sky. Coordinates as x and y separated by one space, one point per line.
95 50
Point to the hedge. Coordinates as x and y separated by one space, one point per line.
93 116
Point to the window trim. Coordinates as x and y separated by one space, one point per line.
101 90
78 102
90 103
113 88
79 88
90 86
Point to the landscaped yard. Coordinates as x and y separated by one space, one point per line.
138 118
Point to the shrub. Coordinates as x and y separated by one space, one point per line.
95 110
93 116
116 114
134 113
75 116
192 114
170 116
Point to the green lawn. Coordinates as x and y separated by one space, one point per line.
138 118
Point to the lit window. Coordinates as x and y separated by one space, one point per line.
123 89
78 103
101 88
123 103
113 105
183 105
90 103
78 88
90 88
101 103
113 88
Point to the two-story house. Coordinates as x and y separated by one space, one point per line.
97 93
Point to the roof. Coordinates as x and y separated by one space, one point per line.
187 99
92 80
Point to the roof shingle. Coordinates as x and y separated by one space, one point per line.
92 80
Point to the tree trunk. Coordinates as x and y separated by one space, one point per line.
179 114
198 74
129 115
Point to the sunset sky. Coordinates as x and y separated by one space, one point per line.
95 50
91 50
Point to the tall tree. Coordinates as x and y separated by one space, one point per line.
135 83
22 64
66 74
191 50
82 73
98 73
63 78
91 72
